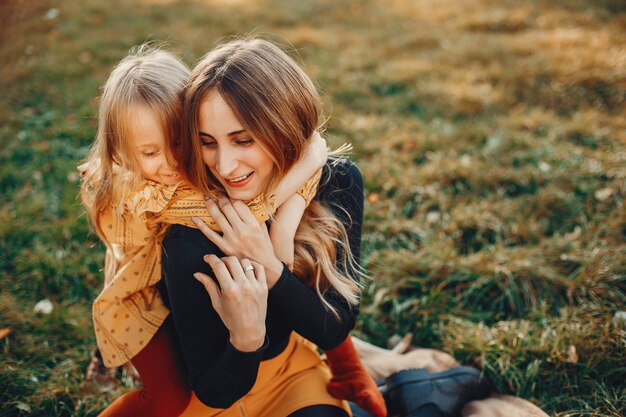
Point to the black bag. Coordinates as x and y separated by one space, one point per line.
419 393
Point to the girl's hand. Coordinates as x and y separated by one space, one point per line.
240 299
243 236
317 150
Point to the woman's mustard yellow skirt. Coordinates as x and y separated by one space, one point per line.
294 379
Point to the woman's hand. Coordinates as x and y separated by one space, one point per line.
243 236
240 300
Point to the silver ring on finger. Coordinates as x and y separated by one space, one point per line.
248 268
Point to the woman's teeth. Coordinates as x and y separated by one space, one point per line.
242 178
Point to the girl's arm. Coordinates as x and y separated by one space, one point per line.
303 170
284 227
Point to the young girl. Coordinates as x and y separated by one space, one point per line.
132 191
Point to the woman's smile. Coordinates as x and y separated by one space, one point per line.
240 181
234 158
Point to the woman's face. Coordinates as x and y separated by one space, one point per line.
238 162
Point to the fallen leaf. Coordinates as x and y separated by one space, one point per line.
4 332
572 355
604 193
23 407
44 306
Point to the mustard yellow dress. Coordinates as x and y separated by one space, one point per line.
294 379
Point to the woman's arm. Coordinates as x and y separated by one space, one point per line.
301 308
219 373
300 305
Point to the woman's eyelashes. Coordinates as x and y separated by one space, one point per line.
243 142
238 142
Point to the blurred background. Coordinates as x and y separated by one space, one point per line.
491 136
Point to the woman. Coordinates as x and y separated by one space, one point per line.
246 345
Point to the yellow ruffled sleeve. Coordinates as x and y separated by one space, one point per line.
187 202
129 310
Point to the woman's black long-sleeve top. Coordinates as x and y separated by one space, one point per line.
219 373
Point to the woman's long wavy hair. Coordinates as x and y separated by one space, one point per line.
148 76
278 104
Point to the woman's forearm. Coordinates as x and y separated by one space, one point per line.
218 372
300 305
302 308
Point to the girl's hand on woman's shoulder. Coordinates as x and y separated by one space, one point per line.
243 236
316 150
240 299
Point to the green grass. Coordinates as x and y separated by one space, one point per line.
492 139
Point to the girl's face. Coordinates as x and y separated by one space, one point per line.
151 152
238 162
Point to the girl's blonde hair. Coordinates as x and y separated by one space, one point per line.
148 76
278 104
